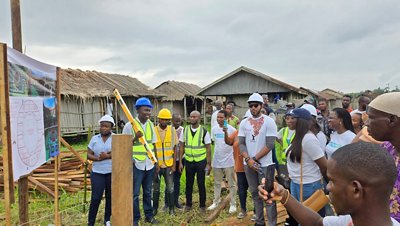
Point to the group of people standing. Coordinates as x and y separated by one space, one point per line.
251 148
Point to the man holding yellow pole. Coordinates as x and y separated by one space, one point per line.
143 169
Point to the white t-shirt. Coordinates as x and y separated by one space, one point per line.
337 141
214 119
345 220
223 153
311 152
255 130
207 139
322 139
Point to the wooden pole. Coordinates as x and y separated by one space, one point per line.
122 185
16 25
17 45
57 219
205 109
184 109
5 132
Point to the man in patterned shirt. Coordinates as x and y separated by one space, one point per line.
384 125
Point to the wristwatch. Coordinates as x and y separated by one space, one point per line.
247 159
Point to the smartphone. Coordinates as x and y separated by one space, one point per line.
226 123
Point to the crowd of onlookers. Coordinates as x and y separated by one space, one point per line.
351 154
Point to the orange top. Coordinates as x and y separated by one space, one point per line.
239 167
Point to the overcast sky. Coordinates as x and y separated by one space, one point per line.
344 45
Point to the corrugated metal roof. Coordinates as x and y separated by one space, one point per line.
256 73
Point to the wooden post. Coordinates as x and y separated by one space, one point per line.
205 109
16 25
116 115
57 220
17 45
122 185
184 109
5 133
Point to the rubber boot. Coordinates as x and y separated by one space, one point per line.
156 199
171 203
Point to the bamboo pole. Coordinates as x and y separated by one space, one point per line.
122 185
5 132
57 159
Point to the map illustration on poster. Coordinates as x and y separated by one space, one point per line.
33 112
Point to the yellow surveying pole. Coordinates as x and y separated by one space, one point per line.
128 114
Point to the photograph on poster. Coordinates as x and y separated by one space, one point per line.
26 82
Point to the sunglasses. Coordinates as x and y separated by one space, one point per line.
254 105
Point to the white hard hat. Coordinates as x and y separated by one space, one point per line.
107 118
310 108
255 97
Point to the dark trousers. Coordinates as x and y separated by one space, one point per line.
193 168
177 184
243 186
144 179
100 183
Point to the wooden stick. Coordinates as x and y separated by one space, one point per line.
65 143
41 187
5 132
220 207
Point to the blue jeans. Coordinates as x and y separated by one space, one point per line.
308 190
142 178
100 183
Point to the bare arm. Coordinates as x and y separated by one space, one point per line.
91 156
303 215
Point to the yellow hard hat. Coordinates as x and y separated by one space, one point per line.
164 114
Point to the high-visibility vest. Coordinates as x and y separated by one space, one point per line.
165 148
195 149
280 149
138 150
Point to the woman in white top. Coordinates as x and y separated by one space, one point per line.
340 122
306 161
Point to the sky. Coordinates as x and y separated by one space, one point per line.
344 45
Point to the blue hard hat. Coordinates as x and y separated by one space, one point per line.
143 101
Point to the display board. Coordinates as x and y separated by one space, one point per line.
33 112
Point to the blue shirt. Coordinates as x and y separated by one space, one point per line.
97 145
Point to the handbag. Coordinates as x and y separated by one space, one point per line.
318 199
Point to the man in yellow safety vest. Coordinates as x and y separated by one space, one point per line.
165 146
143 169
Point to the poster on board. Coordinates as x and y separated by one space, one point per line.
33 112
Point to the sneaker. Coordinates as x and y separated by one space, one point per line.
213 206
151 220
253 218
164 209
242 214
178 206
187 208
232 209
202 210
108 223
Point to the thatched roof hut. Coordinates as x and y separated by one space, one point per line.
180 97
87 95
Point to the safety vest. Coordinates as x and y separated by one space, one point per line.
195 149
165 148
280 149
138 150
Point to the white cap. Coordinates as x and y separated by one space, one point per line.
255 97
107 118
388 103
310 108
